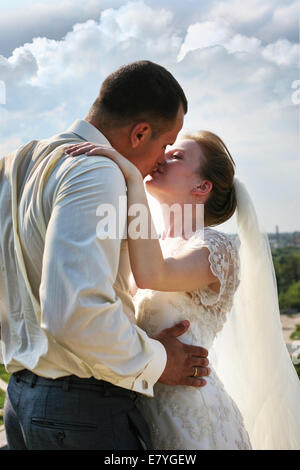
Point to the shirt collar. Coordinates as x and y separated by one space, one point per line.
88 132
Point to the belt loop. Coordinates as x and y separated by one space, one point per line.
66 384
33 380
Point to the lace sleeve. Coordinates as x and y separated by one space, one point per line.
224 264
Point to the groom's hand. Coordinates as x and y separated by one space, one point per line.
186 365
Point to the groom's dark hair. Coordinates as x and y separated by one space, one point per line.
140 91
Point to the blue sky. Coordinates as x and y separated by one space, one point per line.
237 61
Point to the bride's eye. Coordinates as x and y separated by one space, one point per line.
176 155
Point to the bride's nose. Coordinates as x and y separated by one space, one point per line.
165 158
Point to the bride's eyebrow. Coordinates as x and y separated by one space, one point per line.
175 150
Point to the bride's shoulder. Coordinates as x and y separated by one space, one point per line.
223 248
212 237
222 255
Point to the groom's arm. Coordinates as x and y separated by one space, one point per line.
79 306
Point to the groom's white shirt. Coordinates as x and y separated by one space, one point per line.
63 308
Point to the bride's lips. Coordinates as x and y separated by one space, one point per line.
157 170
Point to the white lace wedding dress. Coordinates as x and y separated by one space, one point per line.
182 417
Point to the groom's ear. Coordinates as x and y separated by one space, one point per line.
139 134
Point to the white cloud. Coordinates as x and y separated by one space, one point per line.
135 19
268 20
240 43
214 33
282 52
20 67
95 47
51 19
284 22
205 34
241 11
217 33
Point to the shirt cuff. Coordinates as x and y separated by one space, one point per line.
145 381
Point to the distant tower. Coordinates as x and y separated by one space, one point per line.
277 236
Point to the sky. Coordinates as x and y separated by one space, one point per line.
237 60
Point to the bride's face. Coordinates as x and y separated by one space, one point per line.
178 175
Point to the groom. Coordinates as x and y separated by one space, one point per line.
77 361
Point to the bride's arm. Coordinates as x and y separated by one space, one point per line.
185 272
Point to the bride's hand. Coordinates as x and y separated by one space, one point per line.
129 170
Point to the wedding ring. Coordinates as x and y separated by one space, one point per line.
195 372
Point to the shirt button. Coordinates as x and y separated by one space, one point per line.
144 384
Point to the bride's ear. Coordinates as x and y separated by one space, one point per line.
139 133
202 189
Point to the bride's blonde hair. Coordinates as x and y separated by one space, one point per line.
219 168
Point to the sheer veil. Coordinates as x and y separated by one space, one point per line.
250 355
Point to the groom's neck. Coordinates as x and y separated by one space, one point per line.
99 125
117 137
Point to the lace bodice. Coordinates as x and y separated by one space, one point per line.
187 417
205 308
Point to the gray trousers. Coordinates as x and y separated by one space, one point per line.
70 413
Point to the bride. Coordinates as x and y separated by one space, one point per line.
228 294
